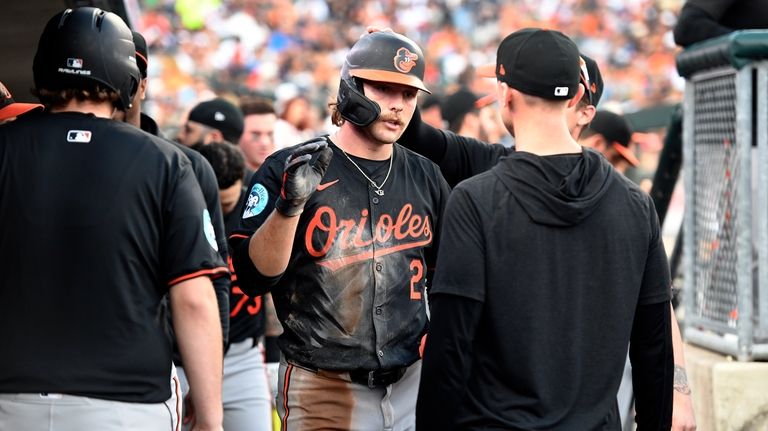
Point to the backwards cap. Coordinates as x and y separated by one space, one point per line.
542 63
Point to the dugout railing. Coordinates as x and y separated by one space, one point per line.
725 173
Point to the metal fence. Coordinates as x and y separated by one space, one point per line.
725 231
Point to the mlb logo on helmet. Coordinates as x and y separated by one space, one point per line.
561 91
79 136
75 63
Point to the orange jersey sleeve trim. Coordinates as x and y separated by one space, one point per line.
213 273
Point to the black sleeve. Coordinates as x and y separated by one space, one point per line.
447 357
210 188
424 139
650 352
259 204
252 282
188 227
696 24
459 157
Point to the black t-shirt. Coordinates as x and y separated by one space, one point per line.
560 266
99 220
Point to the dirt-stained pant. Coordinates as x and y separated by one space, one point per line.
327 400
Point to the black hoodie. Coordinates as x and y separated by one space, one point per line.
559 253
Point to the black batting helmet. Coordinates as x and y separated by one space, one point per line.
79 46
382 56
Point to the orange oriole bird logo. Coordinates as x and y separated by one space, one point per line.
405 60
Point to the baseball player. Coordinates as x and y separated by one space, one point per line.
245 392
543 338
106 221
206 178
346 249
10 109
212 121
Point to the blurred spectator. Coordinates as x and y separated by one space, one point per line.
297 123
257 46
461 114
431 111
213 120
258 139
610 134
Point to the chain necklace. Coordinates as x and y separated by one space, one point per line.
378 187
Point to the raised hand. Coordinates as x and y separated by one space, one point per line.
301 177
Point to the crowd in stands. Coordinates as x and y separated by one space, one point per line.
292 49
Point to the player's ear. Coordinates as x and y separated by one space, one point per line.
505 92
585 115
214 135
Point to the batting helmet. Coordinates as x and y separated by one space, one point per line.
83 45
381 56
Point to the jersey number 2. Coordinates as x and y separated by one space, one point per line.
417 265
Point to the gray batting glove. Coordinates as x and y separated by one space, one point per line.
301 177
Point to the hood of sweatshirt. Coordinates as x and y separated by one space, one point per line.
559 190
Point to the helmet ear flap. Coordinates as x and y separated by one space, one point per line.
354 106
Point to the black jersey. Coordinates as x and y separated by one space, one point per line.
246 316
206 179
98 220
352 297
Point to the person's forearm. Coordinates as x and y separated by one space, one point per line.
683 417
271 245
198 332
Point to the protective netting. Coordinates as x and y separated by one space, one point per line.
716 174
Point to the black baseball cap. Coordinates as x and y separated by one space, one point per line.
458 104
220 115
593 79
616 131
142 59
538 62
9 108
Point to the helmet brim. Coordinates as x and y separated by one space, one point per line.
391 77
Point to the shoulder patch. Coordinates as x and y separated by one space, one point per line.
210 233
257 201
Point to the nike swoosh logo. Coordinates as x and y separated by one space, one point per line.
321 187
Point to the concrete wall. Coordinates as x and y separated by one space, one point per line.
727 395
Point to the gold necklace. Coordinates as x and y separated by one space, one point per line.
378 187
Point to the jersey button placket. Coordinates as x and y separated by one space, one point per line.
379 323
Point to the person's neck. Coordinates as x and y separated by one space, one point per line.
98 109
353 141
544 134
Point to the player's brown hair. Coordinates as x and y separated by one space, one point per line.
96 93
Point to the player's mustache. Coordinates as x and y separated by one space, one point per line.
392 118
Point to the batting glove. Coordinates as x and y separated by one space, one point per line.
301 177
